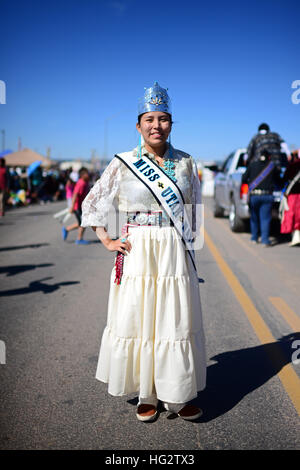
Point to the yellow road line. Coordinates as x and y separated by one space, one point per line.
287 375
224 224
288 314
287 278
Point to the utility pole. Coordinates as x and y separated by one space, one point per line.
3 140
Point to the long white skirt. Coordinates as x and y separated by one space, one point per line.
154 339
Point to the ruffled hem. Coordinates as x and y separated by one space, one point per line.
176 368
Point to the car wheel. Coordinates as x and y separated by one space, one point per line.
236 223
218 210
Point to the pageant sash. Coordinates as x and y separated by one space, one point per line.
262 175
166 193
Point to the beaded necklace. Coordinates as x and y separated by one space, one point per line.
169 169
169 164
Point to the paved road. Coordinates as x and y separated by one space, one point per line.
53 310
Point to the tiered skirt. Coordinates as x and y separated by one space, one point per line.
154 338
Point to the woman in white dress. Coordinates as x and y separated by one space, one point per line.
154 342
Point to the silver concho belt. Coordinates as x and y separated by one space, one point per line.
148 218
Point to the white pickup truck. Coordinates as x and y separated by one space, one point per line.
230 196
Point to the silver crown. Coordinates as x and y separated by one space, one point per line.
155 99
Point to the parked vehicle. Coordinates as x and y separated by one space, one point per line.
231 196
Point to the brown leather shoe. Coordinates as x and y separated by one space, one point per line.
190 412
146 412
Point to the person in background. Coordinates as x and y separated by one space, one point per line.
74 175
14 180
61 191
291 217
272 143
36 182
3 186
47 189
81 189
69 188
261 175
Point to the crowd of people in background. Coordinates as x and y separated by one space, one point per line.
269 165
41 187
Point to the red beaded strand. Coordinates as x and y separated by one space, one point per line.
119 263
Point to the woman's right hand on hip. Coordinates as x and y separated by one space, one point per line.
121 244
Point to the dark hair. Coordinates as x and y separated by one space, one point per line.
264 127
2 160
83 170
140 117
294 156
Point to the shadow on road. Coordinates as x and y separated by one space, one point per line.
36 213
14 270
21 247
239 372
37 286
282 238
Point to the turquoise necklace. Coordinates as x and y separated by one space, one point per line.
169 165
169 169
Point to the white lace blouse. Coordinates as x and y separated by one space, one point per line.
118 186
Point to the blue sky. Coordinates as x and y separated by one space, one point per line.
72 65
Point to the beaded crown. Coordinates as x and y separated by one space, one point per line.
155 98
